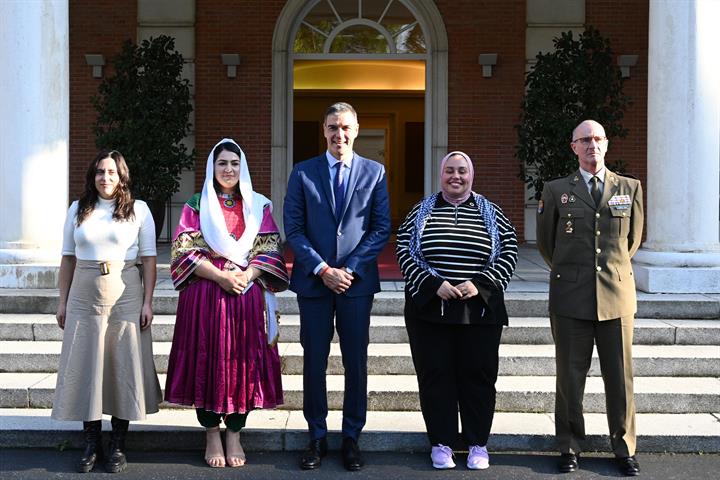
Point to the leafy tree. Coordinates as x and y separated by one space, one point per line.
579 80
143 111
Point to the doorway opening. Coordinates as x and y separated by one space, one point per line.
368 49
389 97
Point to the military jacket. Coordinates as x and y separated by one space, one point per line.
589 247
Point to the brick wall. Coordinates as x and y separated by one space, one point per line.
482 111
96 26
235 107
625 23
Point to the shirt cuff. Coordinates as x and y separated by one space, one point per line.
319 267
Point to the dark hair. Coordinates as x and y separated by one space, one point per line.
339 107
230 147
124 203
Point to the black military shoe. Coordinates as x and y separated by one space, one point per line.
568 462
628 466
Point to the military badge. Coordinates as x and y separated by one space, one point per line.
620 202
541 206
564 198
569 227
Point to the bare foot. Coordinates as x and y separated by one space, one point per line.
235 454
213 448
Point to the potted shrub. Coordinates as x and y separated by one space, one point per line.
143 111
577 81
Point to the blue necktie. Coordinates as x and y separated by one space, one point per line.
339 189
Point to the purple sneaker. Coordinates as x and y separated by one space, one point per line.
478 458
442 457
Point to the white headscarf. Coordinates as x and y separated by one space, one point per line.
212 221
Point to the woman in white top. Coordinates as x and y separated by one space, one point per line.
105 309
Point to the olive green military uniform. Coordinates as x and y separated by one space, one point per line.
592 298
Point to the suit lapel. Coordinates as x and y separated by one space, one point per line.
324 173
352 181
580 189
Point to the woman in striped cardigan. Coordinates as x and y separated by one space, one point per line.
457 252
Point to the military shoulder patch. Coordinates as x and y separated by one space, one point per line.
541 206
627 175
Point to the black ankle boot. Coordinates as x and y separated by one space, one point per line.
93 446
116 461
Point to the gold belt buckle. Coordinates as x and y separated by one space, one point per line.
104 268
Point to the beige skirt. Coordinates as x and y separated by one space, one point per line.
106 364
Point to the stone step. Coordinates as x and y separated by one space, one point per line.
391 329
286 430
519 304
400 393
395 359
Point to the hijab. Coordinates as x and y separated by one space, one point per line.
212 220
465 194
485 209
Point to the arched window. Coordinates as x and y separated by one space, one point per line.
359 27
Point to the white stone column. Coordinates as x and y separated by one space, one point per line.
682 251
34 131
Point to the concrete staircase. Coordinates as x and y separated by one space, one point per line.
677 368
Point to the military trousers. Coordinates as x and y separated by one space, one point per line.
574 340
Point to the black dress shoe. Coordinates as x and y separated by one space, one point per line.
568 462
351 456
312 457
628 466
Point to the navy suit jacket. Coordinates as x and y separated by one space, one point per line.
353 241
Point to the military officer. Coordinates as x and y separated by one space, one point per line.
589 225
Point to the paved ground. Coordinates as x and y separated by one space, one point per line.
39 464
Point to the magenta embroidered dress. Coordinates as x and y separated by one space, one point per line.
220 358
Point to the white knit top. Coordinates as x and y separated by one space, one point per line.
100 237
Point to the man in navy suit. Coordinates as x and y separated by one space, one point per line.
337 220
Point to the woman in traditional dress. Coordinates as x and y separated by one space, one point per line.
457 252
105 309
226 262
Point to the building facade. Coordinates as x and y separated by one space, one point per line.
426 76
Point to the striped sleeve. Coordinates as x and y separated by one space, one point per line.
187 251
266 257
421 284
502 269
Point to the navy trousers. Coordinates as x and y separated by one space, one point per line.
352 320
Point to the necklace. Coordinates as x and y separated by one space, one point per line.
228 199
